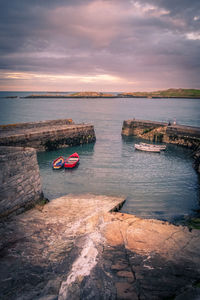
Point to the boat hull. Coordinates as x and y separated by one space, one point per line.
147 148
58 163
72 161
161 147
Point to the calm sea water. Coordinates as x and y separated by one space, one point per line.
163 186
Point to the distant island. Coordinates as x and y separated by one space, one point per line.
74 95
170 93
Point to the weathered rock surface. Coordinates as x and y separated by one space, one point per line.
197 160
77 247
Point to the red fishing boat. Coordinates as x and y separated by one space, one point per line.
72 161
58 163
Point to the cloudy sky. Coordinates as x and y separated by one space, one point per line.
101 45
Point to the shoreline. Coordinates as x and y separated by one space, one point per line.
170 93
104 97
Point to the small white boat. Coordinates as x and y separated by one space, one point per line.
161 147
147 147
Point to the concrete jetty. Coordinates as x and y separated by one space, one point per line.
46 135
77 247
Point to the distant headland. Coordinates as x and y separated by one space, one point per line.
170 93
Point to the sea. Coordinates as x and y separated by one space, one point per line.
162 186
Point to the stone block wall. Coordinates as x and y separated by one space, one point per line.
20 185
162 132
52 136
72 136
197 160
182 135
39 124
137 127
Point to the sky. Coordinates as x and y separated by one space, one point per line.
99 45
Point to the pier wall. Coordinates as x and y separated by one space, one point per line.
162 132
186 136
140 127
46 135
38 124
20 185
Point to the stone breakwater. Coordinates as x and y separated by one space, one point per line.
20 186
186 136
46 135
77 247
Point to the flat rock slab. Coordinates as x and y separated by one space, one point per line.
77 247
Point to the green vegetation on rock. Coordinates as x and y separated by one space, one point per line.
194 223
91 95
170 93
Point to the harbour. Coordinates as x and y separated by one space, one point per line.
59 247
156 186
99 150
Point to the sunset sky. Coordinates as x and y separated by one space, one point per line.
99 45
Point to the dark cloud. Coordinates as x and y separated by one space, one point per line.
127 39
178 7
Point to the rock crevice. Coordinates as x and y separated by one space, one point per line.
75 248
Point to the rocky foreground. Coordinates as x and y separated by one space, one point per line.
79 247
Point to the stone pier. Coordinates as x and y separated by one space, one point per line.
46 135
162 132
20 185
77 247
182 135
